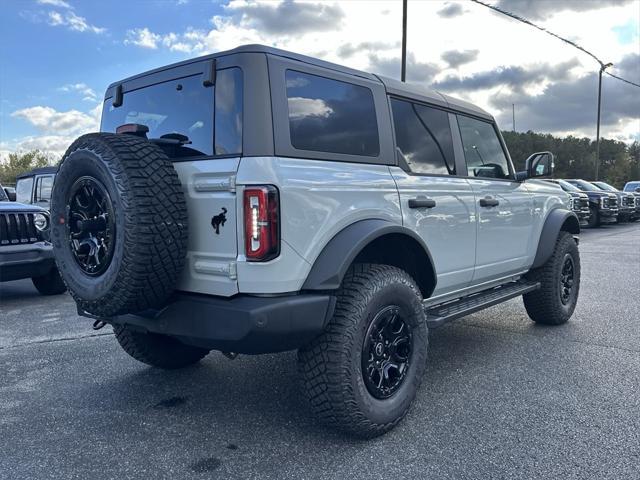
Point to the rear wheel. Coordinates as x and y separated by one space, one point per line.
362 374
157 350
555 301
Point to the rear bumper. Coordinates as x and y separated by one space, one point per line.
25 261
242 324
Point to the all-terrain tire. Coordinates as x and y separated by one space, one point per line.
157 350
546 305
331 365
150 223
50 283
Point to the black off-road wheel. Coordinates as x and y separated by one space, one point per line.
118 224
49 284
157 350
362 374
559 277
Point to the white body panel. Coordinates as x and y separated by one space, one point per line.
470 245
448 229
545 197
504 231
318 199
208 187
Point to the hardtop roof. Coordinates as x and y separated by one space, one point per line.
394 87
38 171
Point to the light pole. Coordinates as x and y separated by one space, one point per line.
603 67
403 71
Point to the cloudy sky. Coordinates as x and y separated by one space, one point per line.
58 56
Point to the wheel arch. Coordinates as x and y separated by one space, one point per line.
558 220
373 241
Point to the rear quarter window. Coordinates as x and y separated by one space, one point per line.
327 115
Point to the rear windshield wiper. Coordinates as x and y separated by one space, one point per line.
172 139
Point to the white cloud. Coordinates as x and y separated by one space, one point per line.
58 129
49 120
190 41
308 107
142 37
55 19
55 3
73 22
88 93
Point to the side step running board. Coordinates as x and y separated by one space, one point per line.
438 315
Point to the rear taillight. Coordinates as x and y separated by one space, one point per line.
261 223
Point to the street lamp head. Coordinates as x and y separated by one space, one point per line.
605 66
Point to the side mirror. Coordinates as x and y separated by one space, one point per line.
539 164
638 190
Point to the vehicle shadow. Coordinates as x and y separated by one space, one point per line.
263 393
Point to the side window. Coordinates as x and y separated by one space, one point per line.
482 149
328 115
23 190
228 112
43 188
423 138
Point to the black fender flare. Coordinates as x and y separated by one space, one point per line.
332 264
557 220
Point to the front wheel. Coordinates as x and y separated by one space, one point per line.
594 218
362 374
554 302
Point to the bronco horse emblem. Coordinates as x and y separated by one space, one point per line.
219 220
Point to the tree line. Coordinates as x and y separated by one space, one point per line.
574 157
17 163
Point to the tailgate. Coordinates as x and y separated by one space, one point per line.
209 188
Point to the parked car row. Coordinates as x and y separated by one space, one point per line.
596 203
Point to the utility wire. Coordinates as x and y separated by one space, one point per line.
542 29
622 79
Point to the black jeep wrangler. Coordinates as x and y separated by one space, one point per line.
25 251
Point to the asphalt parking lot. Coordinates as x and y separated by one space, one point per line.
502 397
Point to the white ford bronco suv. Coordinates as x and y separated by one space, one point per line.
257 201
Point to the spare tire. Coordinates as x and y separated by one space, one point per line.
118 224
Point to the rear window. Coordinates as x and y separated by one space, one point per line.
327 115
181 114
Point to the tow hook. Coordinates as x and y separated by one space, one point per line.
98 324
230 355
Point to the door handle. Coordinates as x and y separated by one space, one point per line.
421 202
489 202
